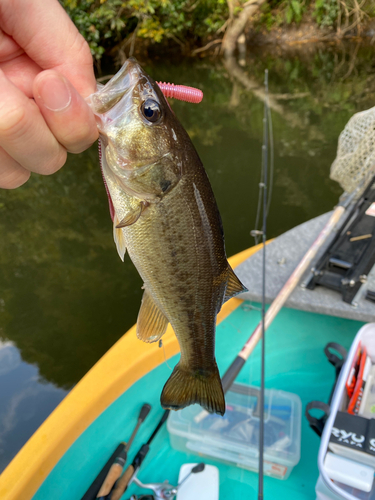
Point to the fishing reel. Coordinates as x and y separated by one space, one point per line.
163 491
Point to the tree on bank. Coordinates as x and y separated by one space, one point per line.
114 26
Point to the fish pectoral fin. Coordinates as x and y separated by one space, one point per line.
132 217
119 238
186 387
151 322
234 286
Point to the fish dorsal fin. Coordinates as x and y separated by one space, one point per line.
132 216
118 236
151 322
234 285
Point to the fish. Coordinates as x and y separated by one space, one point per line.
165 216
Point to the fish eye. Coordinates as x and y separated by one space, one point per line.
151 110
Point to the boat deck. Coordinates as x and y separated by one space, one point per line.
295 363
282 257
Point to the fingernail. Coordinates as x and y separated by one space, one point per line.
55 93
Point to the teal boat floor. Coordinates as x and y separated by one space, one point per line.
295 362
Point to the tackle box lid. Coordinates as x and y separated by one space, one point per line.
237 432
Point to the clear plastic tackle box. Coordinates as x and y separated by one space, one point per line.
234 438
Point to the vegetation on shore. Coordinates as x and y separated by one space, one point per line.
114 26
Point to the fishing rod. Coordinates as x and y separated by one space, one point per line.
126 478
118 456
98 481
263 188
116 469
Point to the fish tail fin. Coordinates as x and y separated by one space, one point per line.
186 387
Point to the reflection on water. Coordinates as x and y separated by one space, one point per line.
25 401
65 296
9 357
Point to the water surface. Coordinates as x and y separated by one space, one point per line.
66 297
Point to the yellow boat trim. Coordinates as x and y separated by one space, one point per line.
125 363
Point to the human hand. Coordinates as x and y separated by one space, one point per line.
46 71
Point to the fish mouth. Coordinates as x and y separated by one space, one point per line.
108 95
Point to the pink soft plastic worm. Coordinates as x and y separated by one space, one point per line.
181 92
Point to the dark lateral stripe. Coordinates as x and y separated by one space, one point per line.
232 372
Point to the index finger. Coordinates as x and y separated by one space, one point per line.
46 33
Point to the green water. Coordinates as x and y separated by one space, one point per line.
66 297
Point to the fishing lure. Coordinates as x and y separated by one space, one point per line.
181 92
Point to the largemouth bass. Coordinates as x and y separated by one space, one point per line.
164 213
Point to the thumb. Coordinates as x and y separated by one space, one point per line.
67 114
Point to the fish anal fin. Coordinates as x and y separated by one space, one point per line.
234 285
151 322
186 387
119 238
132 216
